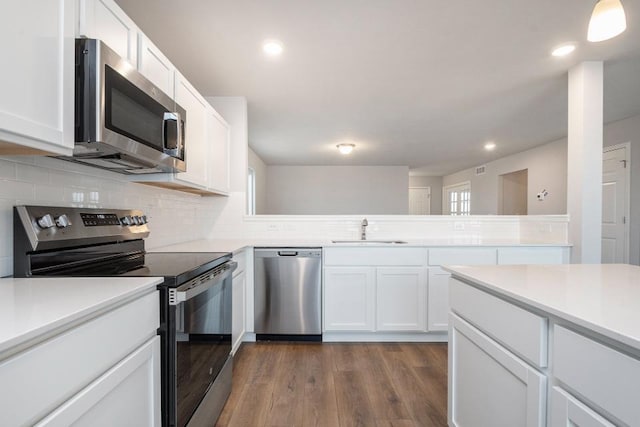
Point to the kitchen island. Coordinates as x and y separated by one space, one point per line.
76 349
537 345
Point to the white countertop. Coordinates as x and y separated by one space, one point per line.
34 308
603 298
234 245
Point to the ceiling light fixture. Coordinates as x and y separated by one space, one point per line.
346 148
607 21
272 47
490 146
564 49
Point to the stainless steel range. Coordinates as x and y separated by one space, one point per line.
195 298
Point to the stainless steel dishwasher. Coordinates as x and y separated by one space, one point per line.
288 294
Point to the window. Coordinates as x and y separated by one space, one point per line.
457 199
251 192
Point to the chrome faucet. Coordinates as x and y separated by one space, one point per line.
363 229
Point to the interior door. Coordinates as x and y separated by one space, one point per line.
419 200
614 205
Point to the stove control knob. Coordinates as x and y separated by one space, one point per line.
63 221
125 220
136 220
45 221
143 219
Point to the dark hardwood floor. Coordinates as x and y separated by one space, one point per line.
338 385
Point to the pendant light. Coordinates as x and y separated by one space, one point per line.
607 21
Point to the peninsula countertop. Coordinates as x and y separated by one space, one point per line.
604 298
235 245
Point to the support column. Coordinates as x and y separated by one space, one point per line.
584 168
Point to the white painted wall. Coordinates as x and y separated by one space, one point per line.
547 169
435 182
628 130
260 168
327 190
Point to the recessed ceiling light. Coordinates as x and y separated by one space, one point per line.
490 146
346 148
564 49
272 47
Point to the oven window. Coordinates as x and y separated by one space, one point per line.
203 335
131 112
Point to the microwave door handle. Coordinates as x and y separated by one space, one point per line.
188 290
172 117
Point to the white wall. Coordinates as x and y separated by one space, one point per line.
260 169
326 190
547 169
628 130
435 182
174 217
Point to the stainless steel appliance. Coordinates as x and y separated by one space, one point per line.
123 122
195 298
288 293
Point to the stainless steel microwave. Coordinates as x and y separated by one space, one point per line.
123 122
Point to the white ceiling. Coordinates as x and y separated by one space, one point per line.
410 82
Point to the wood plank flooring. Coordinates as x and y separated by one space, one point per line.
338 385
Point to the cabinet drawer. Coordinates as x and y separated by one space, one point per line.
50 373
375 256
531 256
521 331
488 385
604 376
462 256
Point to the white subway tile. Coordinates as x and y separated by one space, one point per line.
32 174
16 190
7 169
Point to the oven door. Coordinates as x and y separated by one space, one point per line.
202 342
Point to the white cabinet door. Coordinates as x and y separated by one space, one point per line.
488 385
349 298
196 151
127 394
438 300
238 314
106 21
218 139
401 300
155 66
568 411
36 105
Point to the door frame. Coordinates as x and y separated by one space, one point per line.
445 192
627 213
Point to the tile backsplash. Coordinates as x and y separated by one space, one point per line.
174 216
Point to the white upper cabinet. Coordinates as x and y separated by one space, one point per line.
104 20
218 139
196 151
36 105
155 66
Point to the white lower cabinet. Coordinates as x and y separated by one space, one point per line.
569 411
438 300
127 394
104 371
239 298
349 298
401 299
490 386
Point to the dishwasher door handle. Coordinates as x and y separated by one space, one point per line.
287 253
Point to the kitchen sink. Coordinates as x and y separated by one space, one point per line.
389 242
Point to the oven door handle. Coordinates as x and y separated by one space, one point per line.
201 284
